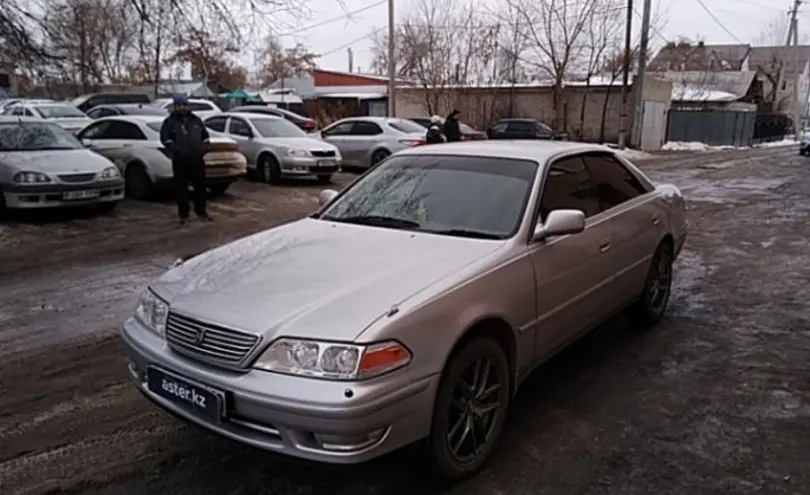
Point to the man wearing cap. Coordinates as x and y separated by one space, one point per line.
184 135
452 129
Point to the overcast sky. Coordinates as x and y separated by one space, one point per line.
744 20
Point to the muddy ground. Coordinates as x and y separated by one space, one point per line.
714 400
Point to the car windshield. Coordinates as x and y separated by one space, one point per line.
59 111
35 136
406 126
277 128
479 197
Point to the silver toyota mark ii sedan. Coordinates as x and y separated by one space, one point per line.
411 305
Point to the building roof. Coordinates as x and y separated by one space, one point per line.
699 56
767 58
708 86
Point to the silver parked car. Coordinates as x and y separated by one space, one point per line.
276 148
67 116
411 305
365 141
202 108
44 166
132 142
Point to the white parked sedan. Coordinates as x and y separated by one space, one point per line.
132 142
200 107
274 147
44 166
69 117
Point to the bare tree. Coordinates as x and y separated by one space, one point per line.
445 47
555 30
773 67
278 63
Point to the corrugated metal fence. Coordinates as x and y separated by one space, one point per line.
712 127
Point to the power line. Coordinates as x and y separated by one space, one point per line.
350 43
719 23
345 15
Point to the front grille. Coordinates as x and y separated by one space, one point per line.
208 341
322 154
76 178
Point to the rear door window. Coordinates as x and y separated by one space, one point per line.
615 183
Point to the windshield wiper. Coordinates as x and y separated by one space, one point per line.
475 234
376 220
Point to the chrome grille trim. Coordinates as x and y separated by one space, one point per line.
207 341
323 153
76 178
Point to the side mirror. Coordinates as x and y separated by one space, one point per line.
87 143
560 222
326 196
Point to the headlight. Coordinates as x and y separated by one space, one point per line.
30 178
110 173
152 312
296 152
331 360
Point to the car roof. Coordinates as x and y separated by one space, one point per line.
10 119
539 151
382 120
247 115
135 119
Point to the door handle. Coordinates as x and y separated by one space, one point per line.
604 245
656 219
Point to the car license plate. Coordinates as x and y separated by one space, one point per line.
199 399
327 163
85 194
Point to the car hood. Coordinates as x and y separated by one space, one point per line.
55 161
313 278
301 143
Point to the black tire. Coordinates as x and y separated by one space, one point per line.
219 189
379 156
325 179
454 406
138 185
652 305
268 169
3 207
107 207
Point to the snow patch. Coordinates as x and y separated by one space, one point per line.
631 154
788 141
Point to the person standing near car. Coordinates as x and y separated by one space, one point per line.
434 132
452 128
185 137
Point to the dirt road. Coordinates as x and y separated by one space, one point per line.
714 400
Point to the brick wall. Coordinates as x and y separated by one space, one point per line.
481 106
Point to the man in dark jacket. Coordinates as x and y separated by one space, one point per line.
184 135
452 129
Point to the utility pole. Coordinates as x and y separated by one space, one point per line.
392 63
628 40
797 102
351 59
638 81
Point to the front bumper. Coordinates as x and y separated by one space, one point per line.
301 166
52 195
317 420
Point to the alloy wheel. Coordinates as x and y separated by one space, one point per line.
660 281
473 411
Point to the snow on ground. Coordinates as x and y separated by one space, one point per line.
631 154
698 146
788 141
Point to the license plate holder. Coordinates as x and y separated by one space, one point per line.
81 194
200 400
326 163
